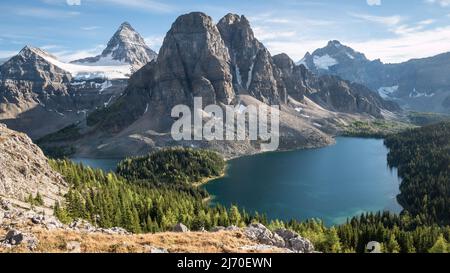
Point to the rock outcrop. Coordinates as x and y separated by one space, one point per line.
180 228
24 170
282 238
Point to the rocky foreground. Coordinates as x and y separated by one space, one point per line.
25 230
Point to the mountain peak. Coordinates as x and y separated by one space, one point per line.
334 43
232 18
125 47
194 21
29 50
126 25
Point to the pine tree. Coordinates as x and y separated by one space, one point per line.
235 216
441 246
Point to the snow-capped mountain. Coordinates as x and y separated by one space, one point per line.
126 47
40 94
340 60
420 84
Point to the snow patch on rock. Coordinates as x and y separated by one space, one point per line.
324 62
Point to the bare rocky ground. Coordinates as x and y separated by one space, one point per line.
31 230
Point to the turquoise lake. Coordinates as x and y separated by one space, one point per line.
331 183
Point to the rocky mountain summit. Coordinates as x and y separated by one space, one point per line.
340 60
419 84
252 66
126 46
29 78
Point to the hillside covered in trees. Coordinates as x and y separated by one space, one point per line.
422 157
173 165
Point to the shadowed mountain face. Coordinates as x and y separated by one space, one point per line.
126 46
420 84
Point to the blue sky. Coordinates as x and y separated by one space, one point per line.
392 30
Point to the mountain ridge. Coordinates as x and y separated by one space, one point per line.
418 84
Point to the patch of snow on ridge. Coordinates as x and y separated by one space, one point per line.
386 92
350 56
105 85
250 73
324 62
415 94
85 72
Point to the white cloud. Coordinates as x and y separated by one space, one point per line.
90 28
374 2
73 2
71 55
7 54
411 45
427 22
147 5
44 13
154 42
264 34
384 20
442 3
295 48
415 44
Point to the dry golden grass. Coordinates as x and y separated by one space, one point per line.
55 241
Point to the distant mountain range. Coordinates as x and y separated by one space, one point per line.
419 84
224 64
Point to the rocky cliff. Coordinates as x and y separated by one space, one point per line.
24 170
252 66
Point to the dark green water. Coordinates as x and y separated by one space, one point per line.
331 183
